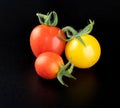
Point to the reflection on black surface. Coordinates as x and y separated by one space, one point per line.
85 88
80 92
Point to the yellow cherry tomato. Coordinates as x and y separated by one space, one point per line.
83 56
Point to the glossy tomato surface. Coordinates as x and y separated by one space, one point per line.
47 65
45 38
83 56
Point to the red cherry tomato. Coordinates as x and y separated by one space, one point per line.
48 64
45 38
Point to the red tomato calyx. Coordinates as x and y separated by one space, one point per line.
72 33
50 19
65 71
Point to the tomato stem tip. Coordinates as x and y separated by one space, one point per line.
65 70
50 19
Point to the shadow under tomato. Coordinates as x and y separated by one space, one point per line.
85 88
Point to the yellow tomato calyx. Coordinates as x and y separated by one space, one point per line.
72 33
87 29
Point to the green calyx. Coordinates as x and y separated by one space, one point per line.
72 33
65 70
50 19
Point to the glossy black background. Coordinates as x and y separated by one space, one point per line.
20 87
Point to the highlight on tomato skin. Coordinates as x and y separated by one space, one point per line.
44 37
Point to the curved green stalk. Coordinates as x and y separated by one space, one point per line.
72 33
47 19
87 29
65 70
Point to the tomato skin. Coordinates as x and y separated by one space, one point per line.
45 38
83 56
47 65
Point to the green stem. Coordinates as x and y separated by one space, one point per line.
48 19
87 29
65 70
72 33
69 31
64 39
